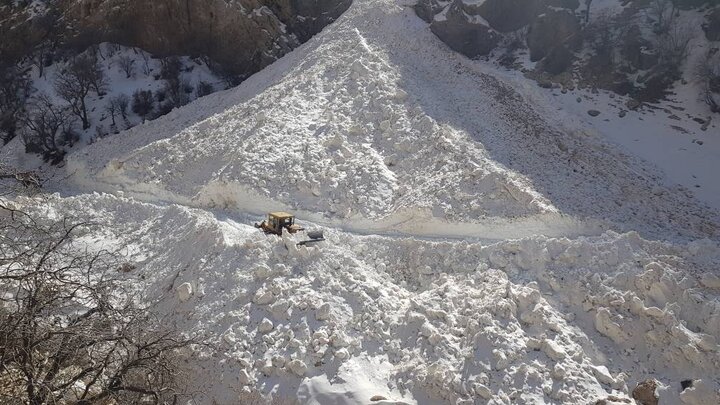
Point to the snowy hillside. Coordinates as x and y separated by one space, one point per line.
486 243
387 124
126 71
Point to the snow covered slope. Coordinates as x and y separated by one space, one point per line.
536 320
597 276
375 118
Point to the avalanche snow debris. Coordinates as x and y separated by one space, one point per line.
372 126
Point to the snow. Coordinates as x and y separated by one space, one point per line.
372 123
485 242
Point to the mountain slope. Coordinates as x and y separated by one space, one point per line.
374 119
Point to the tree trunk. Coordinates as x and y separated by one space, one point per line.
83 114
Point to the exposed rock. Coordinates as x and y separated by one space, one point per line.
507 15
712 26
557 61
427 9
242 35
469 37
553 28
568 4
593 113
376 398
645 394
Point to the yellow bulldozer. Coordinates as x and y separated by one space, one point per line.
279 221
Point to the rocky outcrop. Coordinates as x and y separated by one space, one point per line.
558 60
509 15
712 26
427 9
553 28
474 27
243 36
464 34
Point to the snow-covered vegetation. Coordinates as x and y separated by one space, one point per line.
102 91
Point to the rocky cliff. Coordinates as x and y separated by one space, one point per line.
241 35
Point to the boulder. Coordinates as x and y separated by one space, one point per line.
712 26
427 9
462 33
554 27
645 393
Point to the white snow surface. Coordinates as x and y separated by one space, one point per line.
481 247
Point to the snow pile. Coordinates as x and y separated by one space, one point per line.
375 117
521 321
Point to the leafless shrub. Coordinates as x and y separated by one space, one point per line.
672 46
662 13
69 332
707 73
604 34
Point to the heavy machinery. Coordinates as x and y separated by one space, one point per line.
276 222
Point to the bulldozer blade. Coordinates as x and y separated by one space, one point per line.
317 234
309 242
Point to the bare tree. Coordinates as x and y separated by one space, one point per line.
47 128
75 83
117 105
672 46
707 73
662 12
146 62
123 101
112 108
14 91
143 103
68 329
47 26
588 3
127 64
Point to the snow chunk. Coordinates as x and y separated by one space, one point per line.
297 367
265 326
184 292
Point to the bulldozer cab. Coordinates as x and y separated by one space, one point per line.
277 221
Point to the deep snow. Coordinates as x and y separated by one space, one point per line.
481 249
